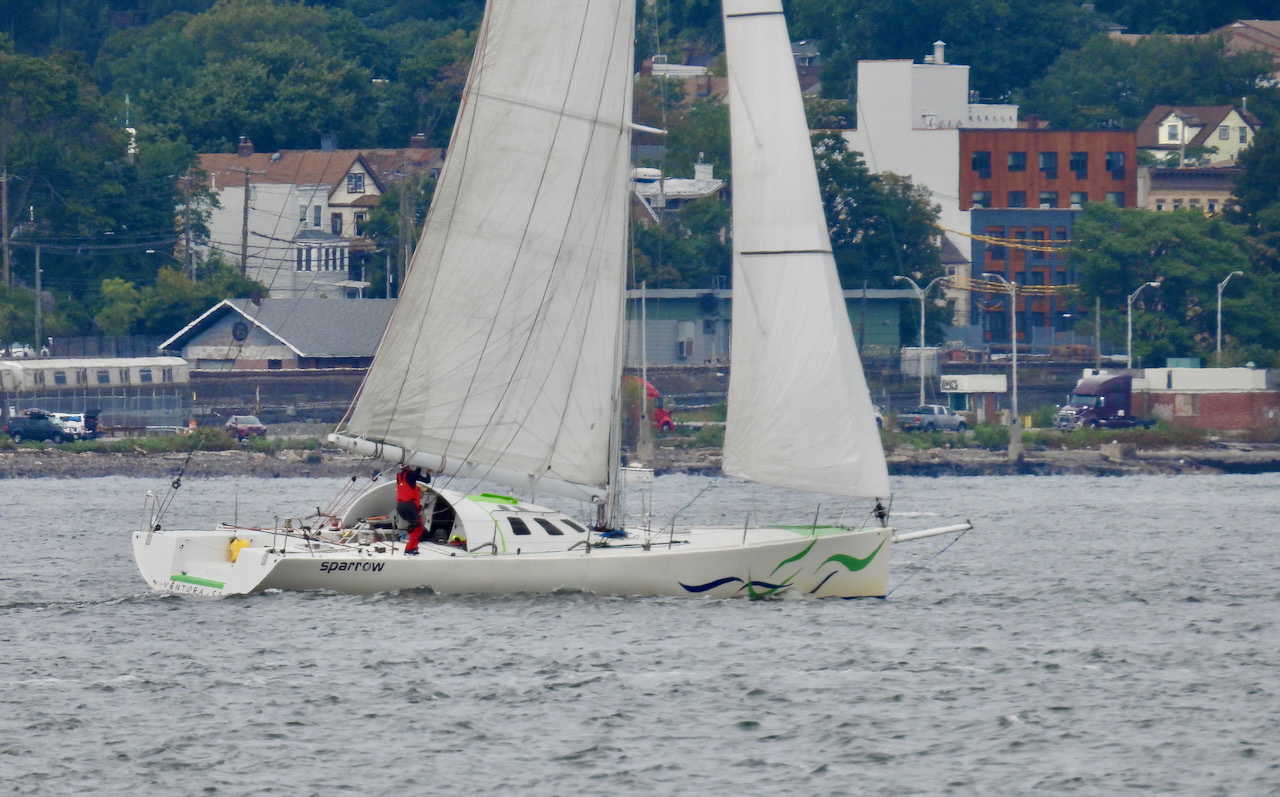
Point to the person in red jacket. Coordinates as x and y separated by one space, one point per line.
409 503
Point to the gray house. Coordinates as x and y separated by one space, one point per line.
283 334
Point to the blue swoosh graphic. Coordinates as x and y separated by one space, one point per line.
709 584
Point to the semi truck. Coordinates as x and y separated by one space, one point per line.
1101 401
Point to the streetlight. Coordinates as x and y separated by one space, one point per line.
1218 358
1129 321
920 356
1015 437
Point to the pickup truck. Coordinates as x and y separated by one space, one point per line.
931 417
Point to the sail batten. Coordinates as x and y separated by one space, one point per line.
503 348
799 409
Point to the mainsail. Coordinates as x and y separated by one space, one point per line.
504 352
799 410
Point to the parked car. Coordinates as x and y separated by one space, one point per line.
21 350
245 426
931 417
36 425
76 425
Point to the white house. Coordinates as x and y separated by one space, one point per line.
305 210
1170 131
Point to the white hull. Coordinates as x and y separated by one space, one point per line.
708 562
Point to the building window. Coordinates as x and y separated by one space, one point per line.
1213 206
997 252
982 199
104 377
361 218
1224 133
355 183
1080 165
144 375
302 213
1116 198
307 265
124 376
1244 135
59 377
1037 241
299 254
1017 161
1159 204
315 216
1079 198
1017 199
335 223
1048 199
1172 134
1115 165
275 365
166 374
1193 203
1177 204
982 163
1049 164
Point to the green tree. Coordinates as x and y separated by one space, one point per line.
686 250
1117 250
121 307
881 225
1111 83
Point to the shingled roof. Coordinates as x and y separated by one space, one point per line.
1206 117
310 327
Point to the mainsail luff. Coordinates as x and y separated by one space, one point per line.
504 347
799 410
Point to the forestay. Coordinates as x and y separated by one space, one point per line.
504 349
799 410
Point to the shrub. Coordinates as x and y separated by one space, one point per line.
991 436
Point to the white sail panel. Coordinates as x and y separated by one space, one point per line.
799 410
504 347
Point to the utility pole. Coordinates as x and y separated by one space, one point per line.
244 219
4 223
189 262
39 309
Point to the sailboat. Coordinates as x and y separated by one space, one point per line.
502 361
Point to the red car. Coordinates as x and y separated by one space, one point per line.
243 426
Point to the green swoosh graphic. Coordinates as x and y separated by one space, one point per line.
853 563
798 556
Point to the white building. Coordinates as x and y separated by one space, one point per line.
909 121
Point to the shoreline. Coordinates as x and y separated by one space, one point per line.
1111 461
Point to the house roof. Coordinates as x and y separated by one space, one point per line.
309 327
317 167
1206 117
1252 34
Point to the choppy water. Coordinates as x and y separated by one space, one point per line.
1092 636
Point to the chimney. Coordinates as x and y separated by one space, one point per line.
939 47
245 148
418 141
703 171
328 142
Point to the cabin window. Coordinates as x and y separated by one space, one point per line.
144 375
124 376
575 526
104 377
549 527
518 526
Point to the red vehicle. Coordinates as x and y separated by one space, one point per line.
244 426
661 416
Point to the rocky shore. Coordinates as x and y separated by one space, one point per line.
1112 460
